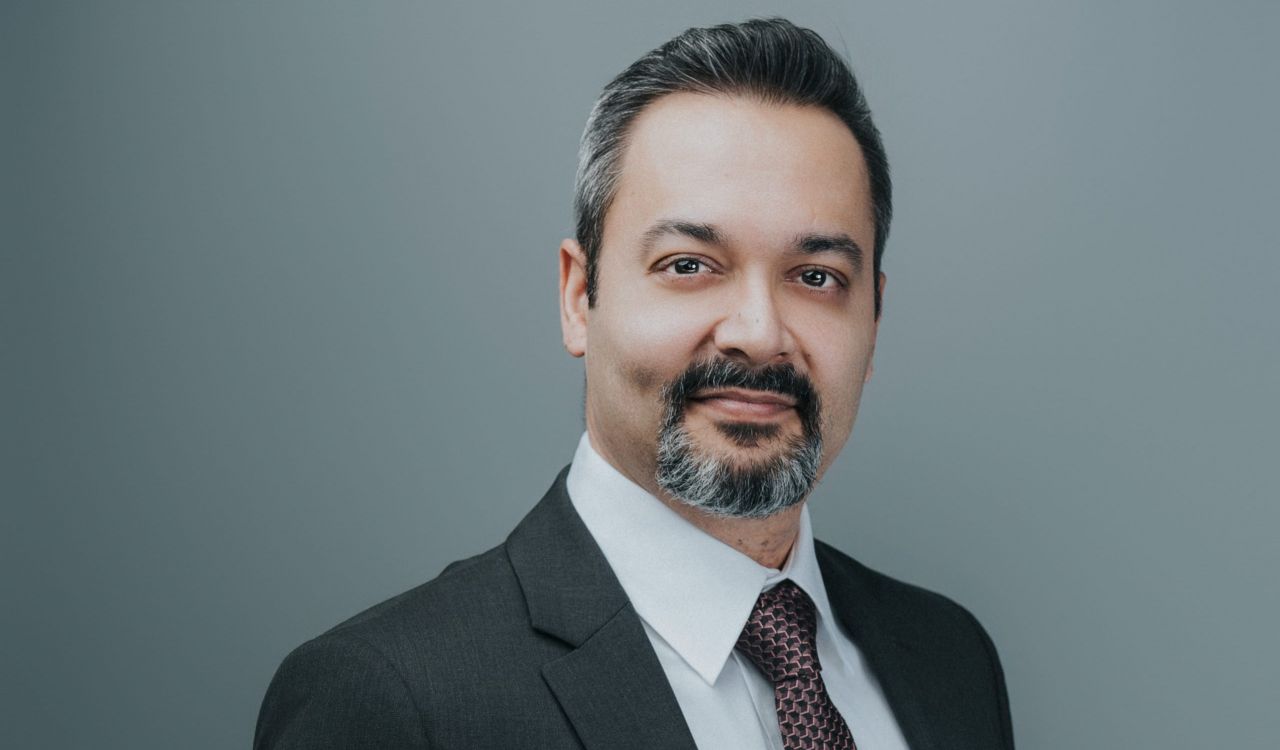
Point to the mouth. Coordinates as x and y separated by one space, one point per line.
742 403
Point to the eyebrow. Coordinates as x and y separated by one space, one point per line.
811 244
806 244
704 233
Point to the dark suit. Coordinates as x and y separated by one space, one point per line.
533 644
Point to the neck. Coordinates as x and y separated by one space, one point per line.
768 541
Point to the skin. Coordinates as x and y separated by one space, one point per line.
761 175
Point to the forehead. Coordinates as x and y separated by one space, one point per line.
753 167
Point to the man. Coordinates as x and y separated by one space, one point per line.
725 290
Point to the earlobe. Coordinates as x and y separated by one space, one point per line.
573 297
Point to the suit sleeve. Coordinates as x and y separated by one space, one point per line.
338 692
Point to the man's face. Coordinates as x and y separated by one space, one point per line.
735 317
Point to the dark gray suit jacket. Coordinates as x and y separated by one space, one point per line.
533 644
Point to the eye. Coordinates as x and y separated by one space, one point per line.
819 278
686 265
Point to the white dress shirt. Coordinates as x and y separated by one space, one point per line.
694 593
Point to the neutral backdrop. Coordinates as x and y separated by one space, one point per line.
280 339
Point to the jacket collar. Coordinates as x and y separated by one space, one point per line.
632 526
610 685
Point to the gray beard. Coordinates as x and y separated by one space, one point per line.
758 490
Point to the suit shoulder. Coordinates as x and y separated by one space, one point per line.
470 620
418 665
338 691
369 673
467 593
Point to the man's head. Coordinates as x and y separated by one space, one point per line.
771 60
733 201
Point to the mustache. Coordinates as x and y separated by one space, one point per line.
782 379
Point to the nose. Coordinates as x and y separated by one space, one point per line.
754 330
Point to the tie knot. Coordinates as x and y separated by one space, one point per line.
779 635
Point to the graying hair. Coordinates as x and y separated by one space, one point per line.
720 488
770 59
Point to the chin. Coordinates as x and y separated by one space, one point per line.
776 473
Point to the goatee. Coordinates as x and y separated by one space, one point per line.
721 487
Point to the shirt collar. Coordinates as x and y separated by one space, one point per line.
695 591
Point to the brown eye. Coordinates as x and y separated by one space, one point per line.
686 265
814 277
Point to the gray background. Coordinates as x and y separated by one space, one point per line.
280 339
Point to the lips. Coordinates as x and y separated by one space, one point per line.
726 393
751 397
739 404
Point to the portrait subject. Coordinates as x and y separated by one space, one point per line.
723 289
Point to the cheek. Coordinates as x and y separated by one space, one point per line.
839 372
642 377
839 409
628 372
646 341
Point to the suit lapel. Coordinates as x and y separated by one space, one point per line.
890 651
611 685
614 690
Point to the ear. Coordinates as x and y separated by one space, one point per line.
875 327
573 297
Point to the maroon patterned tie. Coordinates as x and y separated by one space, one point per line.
779 638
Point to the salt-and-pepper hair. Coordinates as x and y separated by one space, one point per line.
718 487
770 59
728 488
